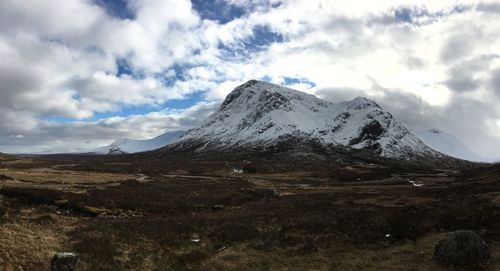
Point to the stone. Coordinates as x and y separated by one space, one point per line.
462 249
65 261
217 207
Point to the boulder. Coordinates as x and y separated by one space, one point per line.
65 261
462 249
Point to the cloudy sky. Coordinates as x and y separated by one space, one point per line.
77 74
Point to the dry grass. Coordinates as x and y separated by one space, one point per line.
29 238
302 220
55 176
407 256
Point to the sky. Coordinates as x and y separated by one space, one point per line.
78 74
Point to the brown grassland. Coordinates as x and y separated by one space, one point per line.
194 213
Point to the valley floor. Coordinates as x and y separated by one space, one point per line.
121 214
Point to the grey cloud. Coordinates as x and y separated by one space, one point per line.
58 62
461 84
16 122
414 62
488 7
462 75
401 15
418 14
465 118
83 136
339 94
494 83
411 109
16 80
460 43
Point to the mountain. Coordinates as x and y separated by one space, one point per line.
449 145
263 116
132 146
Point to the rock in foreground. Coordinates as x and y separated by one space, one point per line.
462 249
65 261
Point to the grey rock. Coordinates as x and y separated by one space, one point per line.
462 249
217 207
65 261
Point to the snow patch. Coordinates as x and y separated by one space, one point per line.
260 114
134 146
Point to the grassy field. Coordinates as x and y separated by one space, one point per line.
123 213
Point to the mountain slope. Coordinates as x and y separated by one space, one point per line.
133 146
262 115
449 145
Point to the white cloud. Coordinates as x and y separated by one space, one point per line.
222 90
59 60
49 137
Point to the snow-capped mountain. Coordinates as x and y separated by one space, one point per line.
133 146
263 114
449 145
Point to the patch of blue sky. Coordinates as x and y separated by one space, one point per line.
59 119
186 102
403 15
223 11
179 71
262 37
297 80
116 8
218 10
126 111
411 15
266 78
289 81
123 67
183 103
173 74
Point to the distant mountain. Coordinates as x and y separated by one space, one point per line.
448 144
132 146
262 116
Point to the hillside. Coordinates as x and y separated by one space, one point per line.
260 116
125 145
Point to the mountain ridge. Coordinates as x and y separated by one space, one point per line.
259 113
125 145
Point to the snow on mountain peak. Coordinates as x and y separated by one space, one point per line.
125 145
267 95
261 114
360 103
